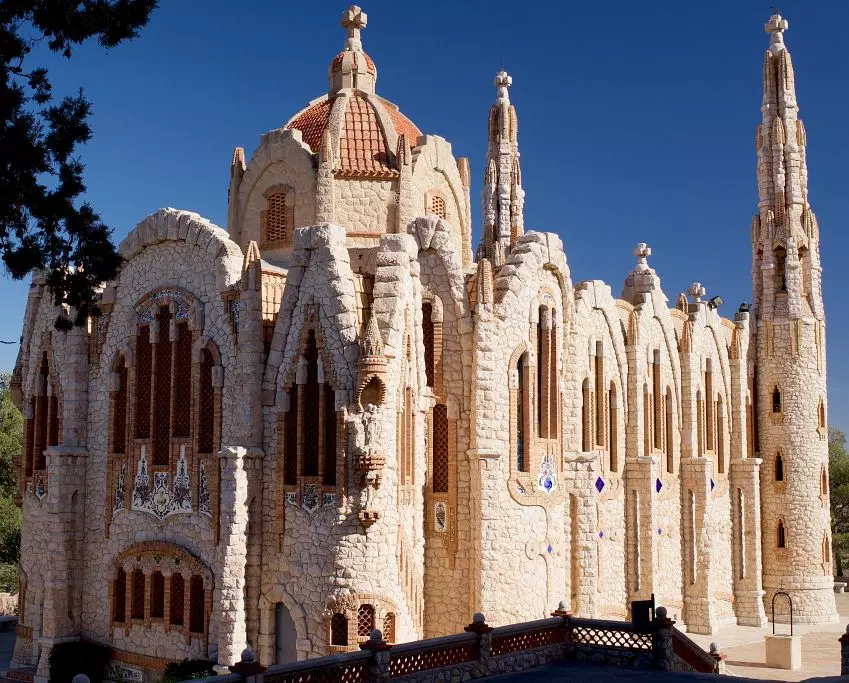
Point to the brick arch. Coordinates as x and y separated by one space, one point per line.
164 548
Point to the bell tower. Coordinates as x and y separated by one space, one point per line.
788 377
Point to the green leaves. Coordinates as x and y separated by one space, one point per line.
43 225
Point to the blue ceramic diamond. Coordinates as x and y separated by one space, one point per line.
548 483
599 484
712 484
601 534
658 484
550 548
659 531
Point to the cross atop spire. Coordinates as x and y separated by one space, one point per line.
503 80
696 292
642 251
353 21
776 26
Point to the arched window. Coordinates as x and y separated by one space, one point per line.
586 422
339 630
669 441
143 376
206 399
700 422
779 467
440 449
157 596
647 411
547 386
826 550
824 481
522 414
720 436
781 536
197 608
613 428
750 433
177 601
780 264
119 597
290 438
119 410
365 620
599 391
329 427
138 595
821 414
776 400
389 627
428 339
182 410
311 408
710 426
277 218
657 402
162 390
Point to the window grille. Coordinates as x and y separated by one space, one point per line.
365 621
157 596
138 594
276 218
119 415
178 592
119 597
196 604
162 391
206 397
311 409
182 381
440 449
339 630
144 356
437 205
389 627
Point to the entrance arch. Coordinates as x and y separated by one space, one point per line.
285 636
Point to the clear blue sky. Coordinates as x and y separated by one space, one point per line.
636 121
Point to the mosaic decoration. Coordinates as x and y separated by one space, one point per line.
148 309
658 485
119 494
659 531
204 505
549 548
712 484
440 517
159 500
329 500
309 498
291 498
547 480
599 484
520 488
601 534
235 311
40 486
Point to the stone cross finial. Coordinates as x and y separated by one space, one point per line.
696 292
353 21
642 251
776 26
503 80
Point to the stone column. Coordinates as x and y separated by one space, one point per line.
746 530
695 482
229 609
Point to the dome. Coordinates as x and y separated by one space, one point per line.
362 128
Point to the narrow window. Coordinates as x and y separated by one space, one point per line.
613 428
182 410
720 436
658 408
329 435
826 550
365 620
700 422
776 400
741 533
691 537
290 439
196 604
709 408
756 435
542 374
428 339
822 414
669 442
339 630
779 468
143 372
311 409
119 597
157 596
138 594
40 462
782 541
276 218
29 436
178 594
780 263
440 449
389 627
647 411
410 436
824 481
53 419
437 205
162 391
599 392
521 414
206 398
553 384
750 433
119 411
586 429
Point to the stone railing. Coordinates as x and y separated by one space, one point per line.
485 651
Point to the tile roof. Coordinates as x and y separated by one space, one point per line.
337 61
312 122
362 146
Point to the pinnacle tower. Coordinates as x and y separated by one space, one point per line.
788 378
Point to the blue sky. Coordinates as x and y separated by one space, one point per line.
636 121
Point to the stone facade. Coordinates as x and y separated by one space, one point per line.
330 418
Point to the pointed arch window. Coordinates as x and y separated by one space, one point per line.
613 428
776 400
779 467
311 400
522 414
547 403
669 441
429 341
599 392
781 535
657 401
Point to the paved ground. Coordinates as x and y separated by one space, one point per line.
7 645
744 646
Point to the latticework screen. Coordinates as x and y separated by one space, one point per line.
162 392
183 381
440 449
178 594
206 408
144 379
196 604
276 218
365 621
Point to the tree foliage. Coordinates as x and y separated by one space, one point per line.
42 223
838 482
11 445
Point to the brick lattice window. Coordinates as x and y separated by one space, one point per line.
119 414
183 381
276 226
290 439
157 596
138 595
389 627
437 205
119 597
440 449
196 604
162 391
144 356
365 620
178 591
338 630
329 427
428 339
311 409
206 397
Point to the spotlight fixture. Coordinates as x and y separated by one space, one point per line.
745 307
715 302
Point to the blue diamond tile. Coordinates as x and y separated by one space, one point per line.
659 531
599 484
601 534
550 548
712 484
658 484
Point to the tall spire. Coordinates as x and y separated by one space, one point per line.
352 68
784 234
503 196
